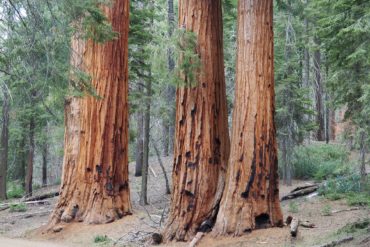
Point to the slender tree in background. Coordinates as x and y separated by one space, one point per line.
139 141
45 161
31 154
168 123
319 92
202 141
95 185
251 196
4 143
145 167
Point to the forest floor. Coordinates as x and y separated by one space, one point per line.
20 229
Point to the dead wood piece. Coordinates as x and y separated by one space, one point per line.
42 197
2 208
300 193
307 224
294 227
337 242
58 229
345 210
288 220
152 170
196 239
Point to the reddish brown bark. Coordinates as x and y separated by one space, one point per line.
202 141
251 196
95 185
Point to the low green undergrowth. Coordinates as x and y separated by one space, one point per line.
15 190
347 187
355 227
100 239
19 207
320 161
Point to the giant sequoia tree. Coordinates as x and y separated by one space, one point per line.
251 196
95 185
202 141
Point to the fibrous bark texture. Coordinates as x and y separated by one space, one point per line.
95 185
251 196
202 141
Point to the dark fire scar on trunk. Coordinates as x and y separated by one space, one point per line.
245 194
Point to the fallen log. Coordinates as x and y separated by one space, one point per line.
2 208
299 193
303 187
294 227
196 239
307 224
41 197
42 202
337 242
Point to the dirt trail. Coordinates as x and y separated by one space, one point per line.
7 242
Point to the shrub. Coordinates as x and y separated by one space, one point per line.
320 161
326 210
101 239
19 207
354 227
15 190
348 187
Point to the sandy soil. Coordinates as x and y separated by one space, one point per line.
134 230
6 242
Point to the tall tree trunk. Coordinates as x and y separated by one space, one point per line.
145 168
168 123
95 185
31 153
168 189
21 164
306 60
45 164
251 196
333 124
327 119
320 134
202 140
139 141
4 146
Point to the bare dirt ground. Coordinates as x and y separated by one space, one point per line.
23 228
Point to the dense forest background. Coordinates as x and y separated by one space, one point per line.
322 76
